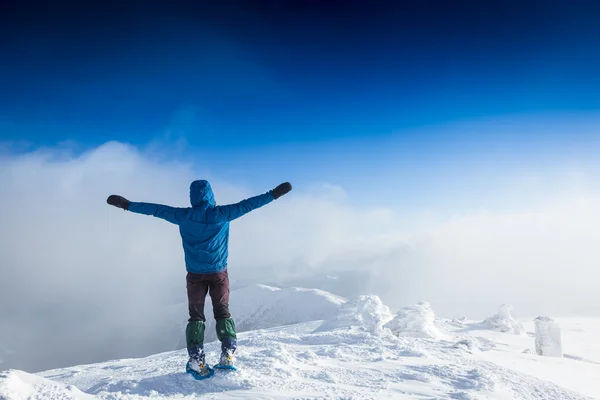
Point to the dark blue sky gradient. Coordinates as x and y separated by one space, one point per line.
268 71
337 91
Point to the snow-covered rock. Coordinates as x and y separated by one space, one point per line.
504 322
366 312
548 337
415 321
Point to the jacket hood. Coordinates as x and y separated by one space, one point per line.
201 193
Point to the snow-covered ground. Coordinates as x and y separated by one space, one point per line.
362 351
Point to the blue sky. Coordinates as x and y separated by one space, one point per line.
377 99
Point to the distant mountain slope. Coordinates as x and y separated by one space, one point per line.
261 306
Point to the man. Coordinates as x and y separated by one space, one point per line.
204 230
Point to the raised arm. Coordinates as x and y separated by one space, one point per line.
171 214
234 211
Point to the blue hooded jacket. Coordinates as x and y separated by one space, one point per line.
204 227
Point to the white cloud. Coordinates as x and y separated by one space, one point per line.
83 281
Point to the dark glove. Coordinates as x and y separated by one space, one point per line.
281 190
118 201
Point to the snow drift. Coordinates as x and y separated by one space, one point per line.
19 385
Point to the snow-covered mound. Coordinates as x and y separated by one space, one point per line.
415 321
261 306
366 312
19 385
503 321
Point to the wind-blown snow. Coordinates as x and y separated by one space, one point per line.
352 355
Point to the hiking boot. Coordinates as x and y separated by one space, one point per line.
197 364
227 359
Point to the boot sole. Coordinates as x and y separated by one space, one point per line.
229 367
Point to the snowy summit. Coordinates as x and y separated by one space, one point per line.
361 351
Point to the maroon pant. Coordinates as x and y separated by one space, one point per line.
217 285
